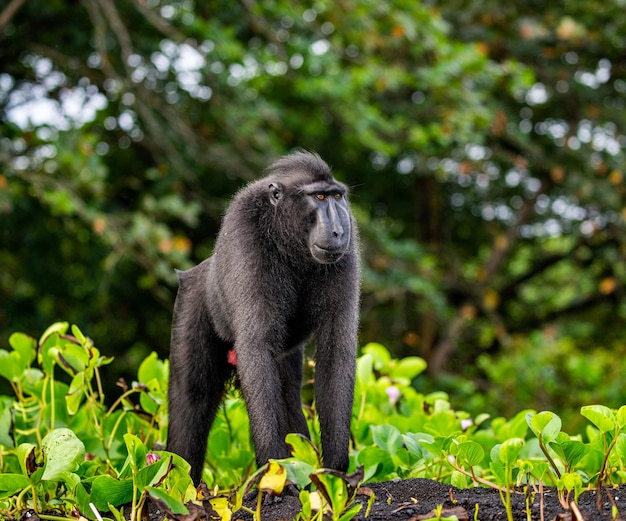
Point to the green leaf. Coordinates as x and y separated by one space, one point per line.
63 452
78 334
137 451
175 506
470 451
377 462
153 368
509 450
298 472
571 481
152 474
59 328
387 437
25 345
379 353
303 449
499 472
571 451
620 417
364 372
333 488
72 358
601 416
11 484
545 425
408 368
26 456
305 502
413 443
351 512
106 489
6 422
11 365
74 396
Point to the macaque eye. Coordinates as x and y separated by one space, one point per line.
337 196
320 197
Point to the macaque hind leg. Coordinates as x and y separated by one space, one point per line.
199 371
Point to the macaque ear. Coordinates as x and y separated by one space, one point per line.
276 193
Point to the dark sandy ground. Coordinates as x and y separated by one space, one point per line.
416 500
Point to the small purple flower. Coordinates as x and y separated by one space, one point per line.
394 394
151 458
466 424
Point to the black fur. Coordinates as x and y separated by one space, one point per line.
285 267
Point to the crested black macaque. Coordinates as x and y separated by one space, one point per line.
285 268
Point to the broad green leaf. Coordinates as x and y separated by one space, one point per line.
175 506
459 480
63 452
387 437
303 449
470 451
377 462
364 372
11 365
408 368
620 446
571 481
152 474
413 442
620 417
543 471
11 484
6 422
545 425
137 451
509 450
153 368
106 489
499 472
516 427
25 345
379 353
571 451
601 416
72 358
298 472
147 397
333 488
56 328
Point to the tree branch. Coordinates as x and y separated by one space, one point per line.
9 12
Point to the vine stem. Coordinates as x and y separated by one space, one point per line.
484 481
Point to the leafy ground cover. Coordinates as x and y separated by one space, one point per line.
67 454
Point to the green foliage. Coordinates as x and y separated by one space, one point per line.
62 448
558 363
61 453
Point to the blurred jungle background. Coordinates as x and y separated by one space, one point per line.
484 143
